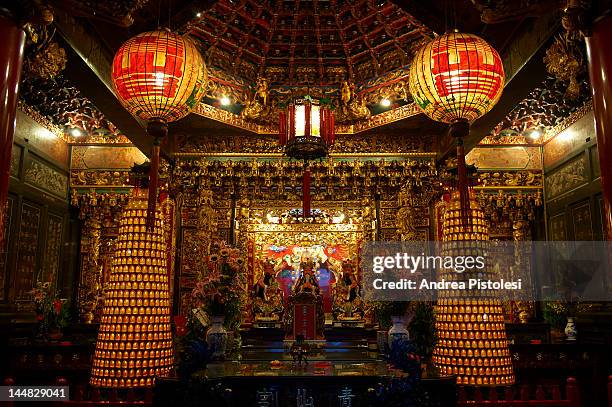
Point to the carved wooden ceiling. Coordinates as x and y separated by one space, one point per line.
317 42
303 46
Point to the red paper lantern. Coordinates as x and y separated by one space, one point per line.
160 77
456 78
306 129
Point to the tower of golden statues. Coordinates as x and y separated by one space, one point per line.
472 342
134 342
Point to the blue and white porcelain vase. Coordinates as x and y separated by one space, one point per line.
570 329
216 337
398 331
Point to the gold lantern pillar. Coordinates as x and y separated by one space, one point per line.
134 344
472 342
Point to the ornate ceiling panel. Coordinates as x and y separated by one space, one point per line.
261 53
544 110
295 42
60 106
379 144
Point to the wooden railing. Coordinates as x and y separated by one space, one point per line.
522 396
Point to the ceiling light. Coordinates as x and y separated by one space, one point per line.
225 101
75 132
535 134
385 102
566 135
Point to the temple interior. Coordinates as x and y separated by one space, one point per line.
306 202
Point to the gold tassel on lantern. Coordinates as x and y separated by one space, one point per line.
134 343
472 342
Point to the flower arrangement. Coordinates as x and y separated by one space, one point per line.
51 311
221 287
423 329
555 313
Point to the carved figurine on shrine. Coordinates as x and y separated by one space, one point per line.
308 281
267 298
269 313
261 286
345 93
257 107
405 229
304 312
262 90
348 305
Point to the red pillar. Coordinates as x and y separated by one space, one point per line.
11 58
599 51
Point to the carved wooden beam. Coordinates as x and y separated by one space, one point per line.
499 11
118 12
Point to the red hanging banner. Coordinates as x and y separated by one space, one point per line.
282 128
306 192
307 109
291 132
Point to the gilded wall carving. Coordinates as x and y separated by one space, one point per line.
106 157
569 140
43 176
100 214
505 158
375 144
282 179
16 160
532 178
202 221
27 249
8 219
53 246
97 178
570 176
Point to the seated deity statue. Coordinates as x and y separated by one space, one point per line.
304 311
271 309
308 281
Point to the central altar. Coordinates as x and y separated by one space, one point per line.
303 273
